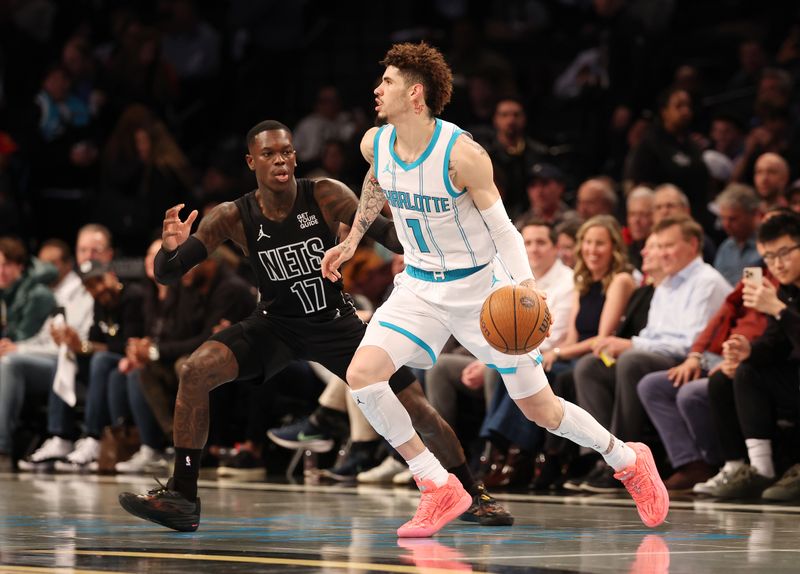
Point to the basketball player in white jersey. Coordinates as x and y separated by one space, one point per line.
452 223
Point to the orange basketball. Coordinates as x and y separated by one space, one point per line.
514 320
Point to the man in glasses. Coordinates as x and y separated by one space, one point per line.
767 380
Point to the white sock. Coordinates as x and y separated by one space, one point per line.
759 451
425 466
733 465
582 428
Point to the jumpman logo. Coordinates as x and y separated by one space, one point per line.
359 401
386 168
495 280
188 461
261 234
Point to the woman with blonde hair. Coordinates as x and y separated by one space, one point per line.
603 286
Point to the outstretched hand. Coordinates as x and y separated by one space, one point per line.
175 232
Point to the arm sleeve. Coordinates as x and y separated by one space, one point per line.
170 266
384 232
507 241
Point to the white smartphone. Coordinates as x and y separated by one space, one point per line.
752 275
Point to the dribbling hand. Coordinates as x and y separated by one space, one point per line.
175 232
333 259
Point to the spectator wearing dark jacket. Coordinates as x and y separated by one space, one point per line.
765 376
25 297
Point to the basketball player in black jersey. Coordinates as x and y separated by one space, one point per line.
285 227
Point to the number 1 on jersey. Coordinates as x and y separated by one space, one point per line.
416 228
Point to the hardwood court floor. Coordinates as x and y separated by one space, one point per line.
72 523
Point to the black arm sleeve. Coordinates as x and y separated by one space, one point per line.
384 232
170 266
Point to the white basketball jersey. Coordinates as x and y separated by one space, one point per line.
440 228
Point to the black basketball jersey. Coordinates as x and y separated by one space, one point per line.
287 256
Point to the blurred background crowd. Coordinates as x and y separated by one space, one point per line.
631 141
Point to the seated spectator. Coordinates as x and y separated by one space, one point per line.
559 453
669 201
63 135
28 366
681 306
596 196
771 179
144 173
512 152
603 286
567 237
327 122
765 377
739 215
117 317
545 188
677 400
727 136
639 218
668 154
24 291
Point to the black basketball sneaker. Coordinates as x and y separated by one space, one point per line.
486 511
164 506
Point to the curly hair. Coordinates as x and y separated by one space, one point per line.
619 254
423 64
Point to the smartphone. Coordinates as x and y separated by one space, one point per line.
752 275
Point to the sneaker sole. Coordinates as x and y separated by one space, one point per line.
131 504
601 489
488 520
463 505
317 446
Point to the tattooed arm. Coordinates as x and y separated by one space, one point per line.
180 251
222 223
339 205
369 206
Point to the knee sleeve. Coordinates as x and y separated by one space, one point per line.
527 379
384 412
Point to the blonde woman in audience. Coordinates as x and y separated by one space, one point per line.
603 286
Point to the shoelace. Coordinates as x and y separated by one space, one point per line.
640 487
427 505
161 488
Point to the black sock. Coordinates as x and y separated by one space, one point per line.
333 422
464 474
186 471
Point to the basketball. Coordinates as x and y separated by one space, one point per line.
514 320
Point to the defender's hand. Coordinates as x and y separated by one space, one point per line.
175 232
333 259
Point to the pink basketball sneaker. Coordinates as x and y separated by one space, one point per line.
437 507
645 486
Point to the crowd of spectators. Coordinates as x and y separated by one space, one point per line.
649 152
